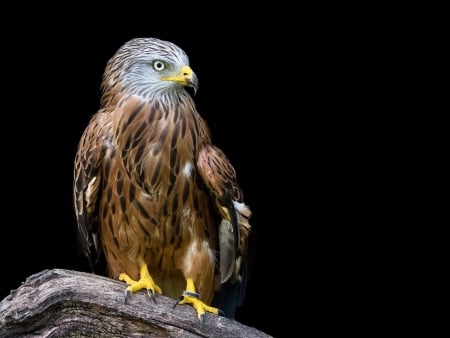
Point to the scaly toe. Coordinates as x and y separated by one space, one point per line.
145 282
193 299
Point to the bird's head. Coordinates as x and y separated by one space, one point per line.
150 68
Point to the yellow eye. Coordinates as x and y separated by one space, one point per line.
158 65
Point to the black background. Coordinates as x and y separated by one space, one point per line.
53 88
270 99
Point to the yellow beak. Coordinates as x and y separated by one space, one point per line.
186 78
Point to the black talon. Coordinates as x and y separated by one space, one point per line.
202 318
127 295
179 299
221 313
151 294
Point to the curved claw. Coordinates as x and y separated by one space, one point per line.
179 299
127 295
151 294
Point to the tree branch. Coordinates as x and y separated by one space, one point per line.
65 303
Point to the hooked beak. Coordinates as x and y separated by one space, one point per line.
186 78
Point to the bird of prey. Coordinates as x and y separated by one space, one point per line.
154 198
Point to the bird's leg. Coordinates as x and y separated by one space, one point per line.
145 282
190 296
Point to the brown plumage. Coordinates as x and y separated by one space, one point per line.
152 191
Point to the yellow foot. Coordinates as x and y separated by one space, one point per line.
145 282
189 296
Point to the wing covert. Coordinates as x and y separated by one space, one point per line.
87 182
219 177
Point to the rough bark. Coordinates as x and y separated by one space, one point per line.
65 303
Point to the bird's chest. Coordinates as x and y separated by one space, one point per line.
160 162
153 165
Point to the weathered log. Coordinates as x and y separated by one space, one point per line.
66 303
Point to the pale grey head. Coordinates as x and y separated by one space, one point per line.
151 68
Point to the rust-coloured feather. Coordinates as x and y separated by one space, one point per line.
149 187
